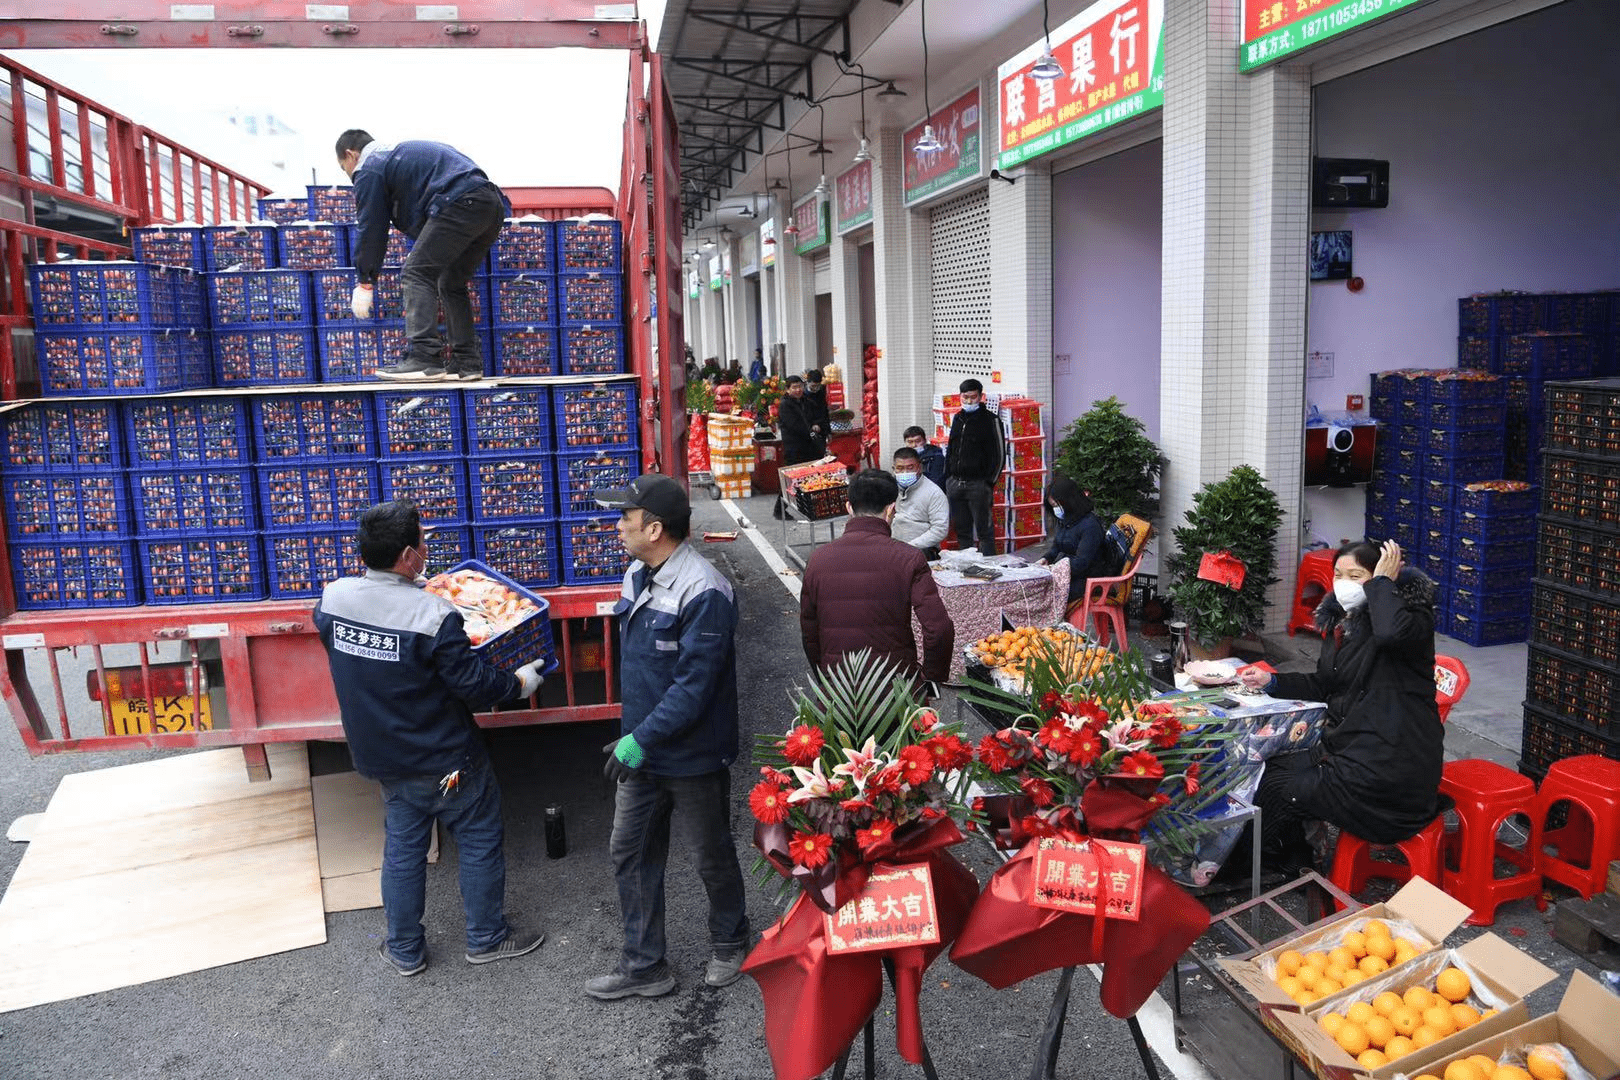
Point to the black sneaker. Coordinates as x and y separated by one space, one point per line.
388 958
725 965
517 943
465 370
409 370
654 983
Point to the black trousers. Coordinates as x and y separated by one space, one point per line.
447 253
970 502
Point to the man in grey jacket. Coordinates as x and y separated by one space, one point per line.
922 517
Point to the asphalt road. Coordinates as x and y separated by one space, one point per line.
335 1011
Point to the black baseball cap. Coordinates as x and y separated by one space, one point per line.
653 492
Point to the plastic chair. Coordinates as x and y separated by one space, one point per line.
1315 570
1487 794
1354 866
1579 853
1108 612
1450 683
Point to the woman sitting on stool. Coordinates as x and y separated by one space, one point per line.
1079 537
1376 772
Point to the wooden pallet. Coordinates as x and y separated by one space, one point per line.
1589 926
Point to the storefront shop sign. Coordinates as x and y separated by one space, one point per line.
959 158
814 220
1274 29
717 279
693 285
1112 55
767 243
853 190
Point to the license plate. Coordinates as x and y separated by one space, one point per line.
165 716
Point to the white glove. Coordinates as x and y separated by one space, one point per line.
529 679
360 302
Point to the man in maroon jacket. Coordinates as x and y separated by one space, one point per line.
860 590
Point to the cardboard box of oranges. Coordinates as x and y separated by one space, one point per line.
1440 1001
1584 1026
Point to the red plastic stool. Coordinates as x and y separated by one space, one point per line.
1486 794
1354 866
1315 570
1578 854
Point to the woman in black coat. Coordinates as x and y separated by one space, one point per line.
1376 772
1079 537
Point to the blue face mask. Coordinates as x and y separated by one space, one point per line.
1057 512
906 479
970 408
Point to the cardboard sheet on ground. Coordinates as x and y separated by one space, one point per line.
349 834
146 871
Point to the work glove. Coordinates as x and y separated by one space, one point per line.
529 679
360 302
624 758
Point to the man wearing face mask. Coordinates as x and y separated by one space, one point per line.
407 685
922 517
860 590
973 459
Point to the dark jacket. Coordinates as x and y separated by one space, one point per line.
933 463
1084 544
406 184
859 593
678 674
406 677
974 451
1383 744
816 409
794 416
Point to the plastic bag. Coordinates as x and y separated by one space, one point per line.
1398 928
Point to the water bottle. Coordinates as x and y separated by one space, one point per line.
1182 646
556 835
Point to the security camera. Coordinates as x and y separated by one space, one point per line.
1340 439
1338 462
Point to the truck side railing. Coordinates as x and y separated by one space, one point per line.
20 245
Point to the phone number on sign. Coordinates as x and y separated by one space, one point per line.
1340 17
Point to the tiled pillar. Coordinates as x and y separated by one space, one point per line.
901 278
1021 282
736 310
846 311
798 310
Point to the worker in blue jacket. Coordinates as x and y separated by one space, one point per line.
440 199
677 621
407 683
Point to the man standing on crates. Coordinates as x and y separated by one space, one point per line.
443 201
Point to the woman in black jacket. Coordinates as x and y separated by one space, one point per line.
1376 772
1080 537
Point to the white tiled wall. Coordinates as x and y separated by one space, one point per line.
1021 286
903 283
846 294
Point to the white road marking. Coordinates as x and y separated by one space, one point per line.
1159 1028
788 576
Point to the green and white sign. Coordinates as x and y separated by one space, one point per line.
717 278
1275 29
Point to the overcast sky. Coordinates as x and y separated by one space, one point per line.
529 117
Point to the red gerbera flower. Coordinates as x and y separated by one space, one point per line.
1154 709
769 803
993 754
1190 780
926 721
1050 700
950 751
854 806
916 765
1160 799
1166 732
1057 736
1140 763
1092 711
803 745
869 837
1087 748
810 849
886 781
1039 791
777 776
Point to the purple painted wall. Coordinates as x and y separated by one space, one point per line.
1106 226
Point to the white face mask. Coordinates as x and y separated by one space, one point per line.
1057 512
1350 594
970 408
906 479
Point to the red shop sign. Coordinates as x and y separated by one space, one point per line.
895 909
1071 877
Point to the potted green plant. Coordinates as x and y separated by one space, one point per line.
1239 515
1107 452
699 396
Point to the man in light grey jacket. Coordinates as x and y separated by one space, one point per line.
922 517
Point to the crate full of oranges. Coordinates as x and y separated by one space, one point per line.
1008 653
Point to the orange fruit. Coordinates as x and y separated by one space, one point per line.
1486 1063
1356 942
1386 1003
1359 1013
1439 1018
1337 972
1406 1020
1307 997
1403 953
1452 985
1375 927
1425 1036
1288 963
1325 986
1381 947
1463 1069
1354 976
1399 1047
1289 985
1418 997
1331 1022
1380 1031
1342 957
1509 1072
1544 1064
1352 1038
1373 965
1466 1016
1426 1076
1371 1059
1317 959
1307 977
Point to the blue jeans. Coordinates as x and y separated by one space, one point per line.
642 810
472 813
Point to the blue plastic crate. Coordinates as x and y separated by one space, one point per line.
1436 518
112 296
265 356
1547 356
525 243
595 416
590 300
1463 470
282 211
99 362
201 569
316 245
1381 408
1404 531
1379 499
591 549
1503 631
523 299
1465 442
66 505
525 551
508 420
1477 352
1404 486
1465 388
448 543
1437 564
1404 436
586 246
399 247
1579 313
80 574
1439 492
526 350
63 436
1513 599
1430 539
1492 555
1411 411
1377 526
334 295
1488 527
512 487
170 245
354 353
1482 500
331 202
529 640
1519 393
1391 386
298 565
439 486
417 423
317 495
187 431
1500 313
240 246
313 427
1443 414
582 473
592 350
249 298
210 499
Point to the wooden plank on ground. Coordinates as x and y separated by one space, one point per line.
147 871
349 834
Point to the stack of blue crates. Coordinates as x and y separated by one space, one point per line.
557 298
523 298
597 436
422 443
510 449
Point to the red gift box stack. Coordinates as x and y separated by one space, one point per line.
1020 512
871 448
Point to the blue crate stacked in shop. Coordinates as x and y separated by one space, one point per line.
170 245
282 211
240 246
421 437
510 448
523 299
331 202
1395 508
590 296
263 324
68 526
597 434
352 349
